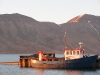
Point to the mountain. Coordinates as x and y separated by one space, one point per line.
23 34
84 28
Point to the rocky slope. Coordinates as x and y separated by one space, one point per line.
22 34
84 28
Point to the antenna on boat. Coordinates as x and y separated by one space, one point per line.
65 41
81 44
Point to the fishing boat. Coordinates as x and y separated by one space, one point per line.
73 59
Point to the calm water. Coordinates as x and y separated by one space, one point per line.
17 70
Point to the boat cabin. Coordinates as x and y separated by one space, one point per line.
73 54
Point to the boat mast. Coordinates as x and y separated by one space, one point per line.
65 41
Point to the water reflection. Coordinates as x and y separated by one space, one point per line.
40 72
72 72
57 72
16 70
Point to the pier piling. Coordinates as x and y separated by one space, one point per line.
25 61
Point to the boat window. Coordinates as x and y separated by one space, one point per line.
73 52
67 53
77 52
70 52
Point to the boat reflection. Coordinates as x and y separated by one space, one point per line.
55 71
40 71
72 72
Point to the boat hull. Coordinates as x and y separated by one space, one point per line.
85 62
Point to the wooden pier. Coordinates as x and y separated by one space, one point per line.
11 63
25 61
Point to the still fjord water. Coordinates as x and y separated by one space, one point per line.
17 70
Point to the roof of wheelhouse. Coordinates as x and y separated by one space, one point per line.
76 49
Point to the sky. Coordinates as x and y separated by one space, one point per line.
57 11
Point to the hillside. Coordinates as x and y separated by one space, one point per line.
22 34
84 28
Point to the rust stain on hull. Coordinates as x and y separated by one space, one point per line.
49 66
